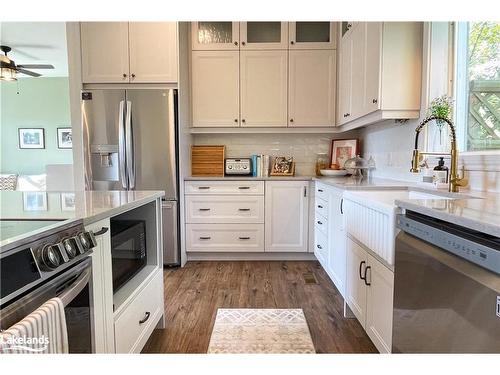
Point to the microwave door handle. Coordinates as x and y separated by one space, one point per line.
122 146
129 142
69 295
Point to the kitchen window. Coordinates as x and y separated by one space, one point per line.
477 85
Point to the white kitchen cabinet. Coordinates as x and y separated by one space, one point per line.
312 82
379 301
102 294
336 266
153 52
263 83
129 52
286 214
214 35
370 287
227 237
104 47
380 72
215 88
224 209
312 35
263 35
243 187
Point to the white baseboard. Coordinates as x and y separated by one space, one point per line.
196 256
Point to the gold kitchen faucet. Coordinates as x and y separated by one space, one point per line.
454 181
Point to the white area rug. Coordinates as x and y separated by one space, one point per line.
260 331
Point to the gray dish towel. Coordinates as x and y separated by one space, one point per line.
43 331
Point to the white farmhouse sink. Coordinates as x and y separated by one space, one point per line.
370 217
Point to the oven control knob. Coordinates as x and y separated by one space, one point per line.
84 240
50 257
70 247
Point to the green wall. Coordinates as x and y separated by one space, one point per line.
41 103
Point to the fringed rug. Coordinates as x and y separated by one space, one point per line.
260 331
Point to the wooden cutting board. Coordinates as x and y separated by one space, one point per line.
207 160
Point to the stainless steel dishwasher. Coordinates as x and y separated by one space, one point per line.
446 288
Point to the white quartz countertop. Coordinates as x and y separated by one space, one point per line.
64 207
350 183
248 178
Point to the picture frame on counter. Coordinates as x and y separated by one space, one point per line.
283 166
31 138
342 150
35 201
64 138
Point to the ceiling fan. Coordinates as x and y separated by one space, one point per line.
9 69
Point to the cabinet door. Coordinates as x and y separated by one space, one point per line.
312 35
213 35
286 213
345 80
373 58
337 250
153 52
355 287
312 88
263 35
263 82
358 46
379 304
215 88
104 52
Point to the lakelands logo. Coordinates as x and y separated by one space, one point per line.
16 344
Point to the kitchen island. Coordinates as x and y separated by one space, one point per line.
127 280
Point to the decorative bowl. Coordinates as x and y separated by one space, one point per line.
333 172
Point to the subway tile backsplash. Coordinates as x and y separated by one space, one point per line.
303 147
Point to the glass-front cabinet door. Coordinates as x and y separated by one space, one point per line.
312 35
263 35
215 35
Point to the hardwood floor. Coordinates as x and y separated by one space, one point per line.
195 292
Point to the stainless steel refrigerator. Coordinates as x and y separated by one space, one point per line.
130 144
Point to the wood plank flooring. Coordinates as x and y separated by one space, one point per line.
194 293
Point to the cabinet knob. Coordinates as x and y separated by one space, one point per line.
243 43
133 75
292 42
349 25
374 101
347 114
319 246
124 75
235 43
243 120
236 120
291 120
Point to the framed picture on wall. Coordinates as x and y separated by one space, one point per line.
64 138
341 150
31 138
67 201
34 201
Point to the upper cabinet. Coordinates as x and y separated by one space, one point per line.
312 35
135 52
263 35
379 71
210 35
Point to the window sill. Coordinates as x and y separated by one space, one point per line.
481 160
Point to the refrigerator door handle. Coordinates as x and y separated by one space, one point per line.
129 142
122 146
171 137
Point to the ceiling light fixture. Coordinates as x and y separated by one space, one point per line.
7 69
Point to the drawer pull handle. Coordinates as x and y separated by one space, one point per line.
205 238
320 190
243 187
146 317
319 246
360 270
204 209
243 209
342 206
320 206
244 238
365 279
203 187
101 231
319 222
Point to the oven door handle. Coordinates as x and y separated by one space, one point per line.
69 295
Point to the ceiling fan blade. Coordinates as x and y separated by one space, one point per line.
28 72
36 66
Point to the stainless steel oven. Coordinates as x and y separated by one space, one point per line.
446 288
128 250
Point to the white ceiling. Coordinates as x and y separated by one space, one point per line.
37 43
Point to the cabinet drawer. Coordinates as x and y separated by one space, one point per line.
225 209
321 247
135 324
225 187
321 223
321 192
225 237
321 207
